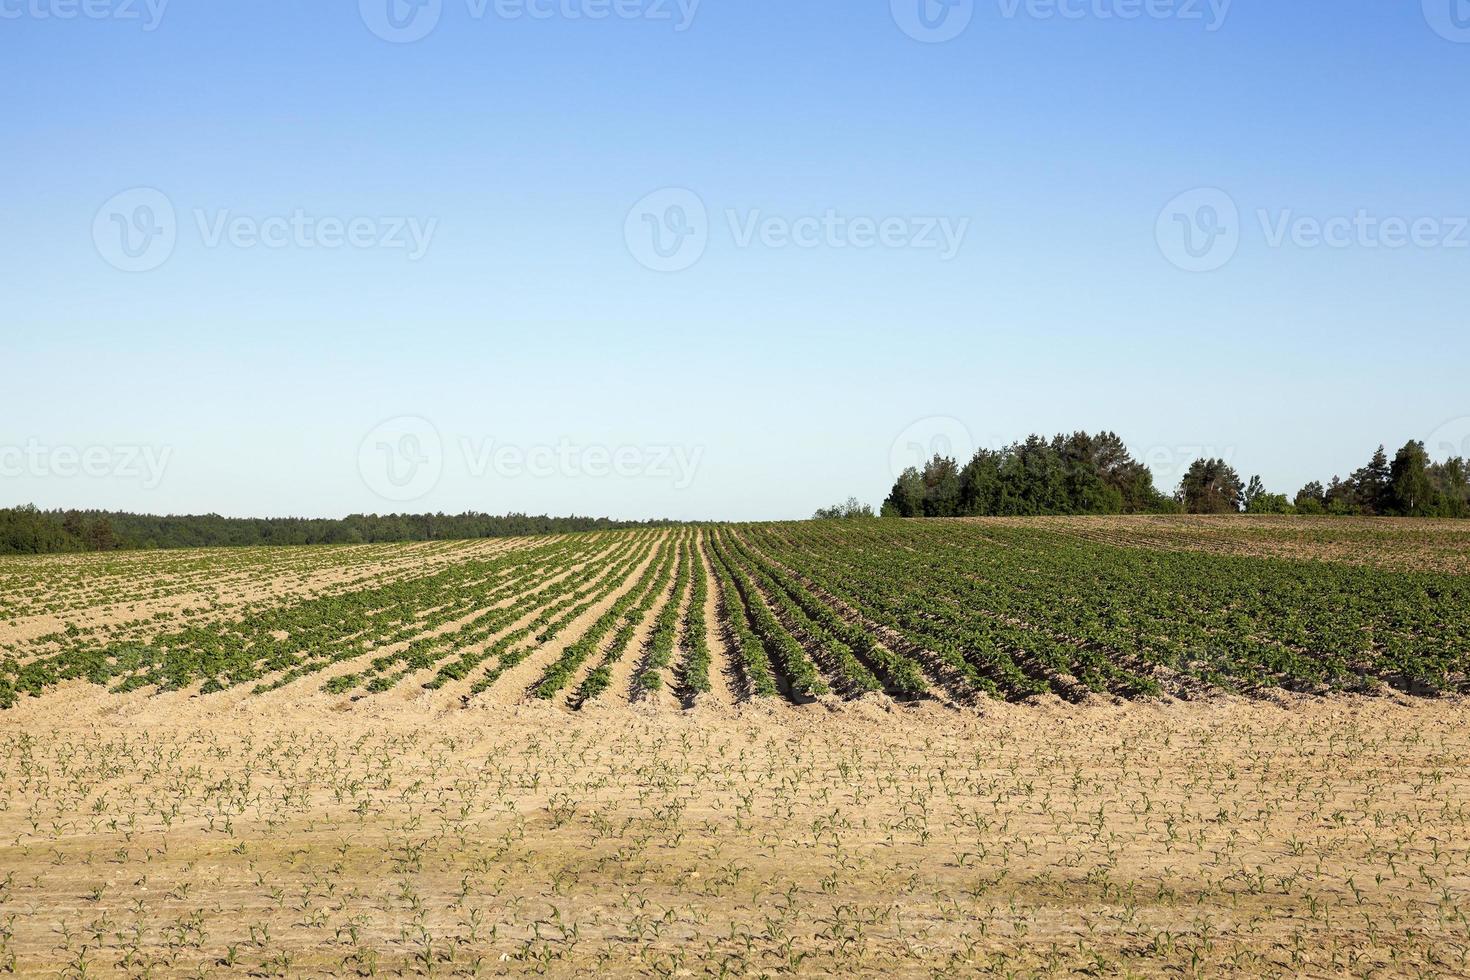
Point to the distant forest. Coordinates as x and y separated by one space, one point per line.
1067 474
1086 474
28 531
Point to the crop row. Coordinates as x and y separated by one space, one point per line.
1029 608
847 651
694 673
297 638
959 609
466 646
661 643
553 620
626 608
802 676
639 601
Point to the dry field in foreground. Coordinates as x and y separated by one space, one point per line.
197 836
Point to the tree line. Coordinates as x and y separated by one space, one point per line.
1095 474
27 530
1409 485
1068 474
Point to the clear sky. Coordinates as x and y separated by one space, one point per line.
718 259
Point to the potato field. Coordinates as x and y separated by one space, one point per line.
1100 746
957 611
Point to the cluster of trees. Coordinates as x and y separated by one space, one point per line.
853 509
1068 474
1210 486
1408 486
1083 474
26 530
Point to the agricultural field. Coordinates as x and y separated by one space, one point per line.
1112 746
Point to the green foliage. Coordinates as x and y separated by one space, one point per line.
26 530
853 509
1270 503
661 643
906 499
1211 486
1069 474
1258 501
1311 499
1003 609
941 488
847 651
1410 491
1085 474
1015 610
1451 480
1410 486
694 675
624 616
1372 486
783 649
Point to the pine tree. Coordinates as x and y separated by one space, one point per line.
1371 485
1210 486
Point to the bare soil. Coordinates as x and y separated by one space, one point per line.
185 835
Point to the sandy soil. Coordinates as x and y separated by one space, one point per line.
724 680
516 684
189 835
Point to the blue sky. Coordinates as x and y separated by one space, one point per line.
367 274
